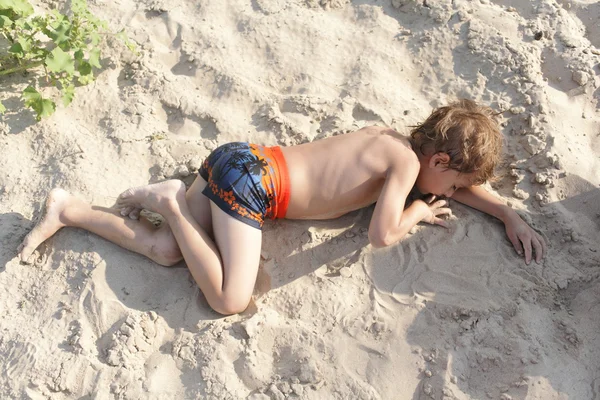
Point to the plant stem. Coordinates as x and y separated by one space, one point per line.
8 37
21 68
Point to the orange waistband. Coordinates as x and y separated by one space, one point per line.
283 182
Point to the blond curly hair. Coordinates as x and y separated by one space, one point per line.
468 133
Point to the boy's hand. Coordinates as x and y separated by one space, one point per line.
524 238
432 209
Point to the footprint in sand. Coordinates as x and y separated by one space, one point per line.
22 358
134 341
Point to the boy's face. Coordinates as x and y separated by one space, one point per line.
436 178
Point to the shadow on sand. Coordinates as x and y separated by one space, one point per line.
488 325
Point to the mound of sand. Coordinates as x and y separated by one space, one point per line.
444 315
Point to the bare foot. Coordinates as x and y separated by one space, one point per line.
48 225
158 197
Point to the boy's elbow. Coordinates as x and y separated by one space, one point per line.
379 240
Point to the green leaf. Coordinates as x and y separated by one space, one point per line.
5 21
84 68
38 53
2 108
39 23
68 94
16 49
78 6
21 47
94 38
42 107
25 44
59 61
85 79
122 35
26 24
30 95
46 108
78 55
55 14
21 8
60 32
94 59
19 23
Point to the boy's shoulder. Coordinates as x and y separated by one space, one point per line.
392 149
388 136
380 130
396 143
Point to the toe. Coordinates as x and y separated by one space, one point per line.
126 194
126 210
25 255
125 197
135 214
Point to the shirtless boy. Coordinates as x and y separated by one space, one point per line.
216 225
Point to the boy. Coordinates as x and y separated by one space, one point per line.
216 225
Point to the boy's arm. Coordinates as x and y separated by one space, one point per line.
523 238
390 220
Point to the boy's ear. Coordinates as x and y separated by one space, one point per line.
439 159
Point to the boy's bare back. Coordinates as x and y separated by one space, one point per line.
331 177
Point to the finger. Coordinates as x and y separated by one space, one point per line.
442 211
441 222
527 247
438 204
537 246
126 210
544 246
135 214
516 244
429 199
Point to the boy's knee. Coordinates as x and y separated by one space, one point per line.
164 249
229 305
166 255
168 261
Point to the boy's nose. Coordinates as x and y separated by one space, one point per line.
449 193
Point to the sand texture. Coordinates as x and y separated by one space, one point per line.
446 314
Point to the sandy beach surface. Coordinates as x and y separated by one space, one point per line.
446 314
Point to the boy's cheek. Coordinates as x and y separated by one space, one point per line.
420 188
425 187
420 185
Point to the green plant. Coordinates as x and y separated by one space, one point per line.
66 46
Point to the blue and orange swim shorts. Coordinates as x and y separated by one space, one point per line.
247 181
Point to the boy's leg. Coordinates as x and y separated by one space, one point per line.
140 236
199 205
226 274
227 287
239 245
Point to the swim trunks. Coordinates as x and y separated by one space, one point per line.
247 181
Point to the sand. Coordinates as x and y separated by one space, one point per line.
443 315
